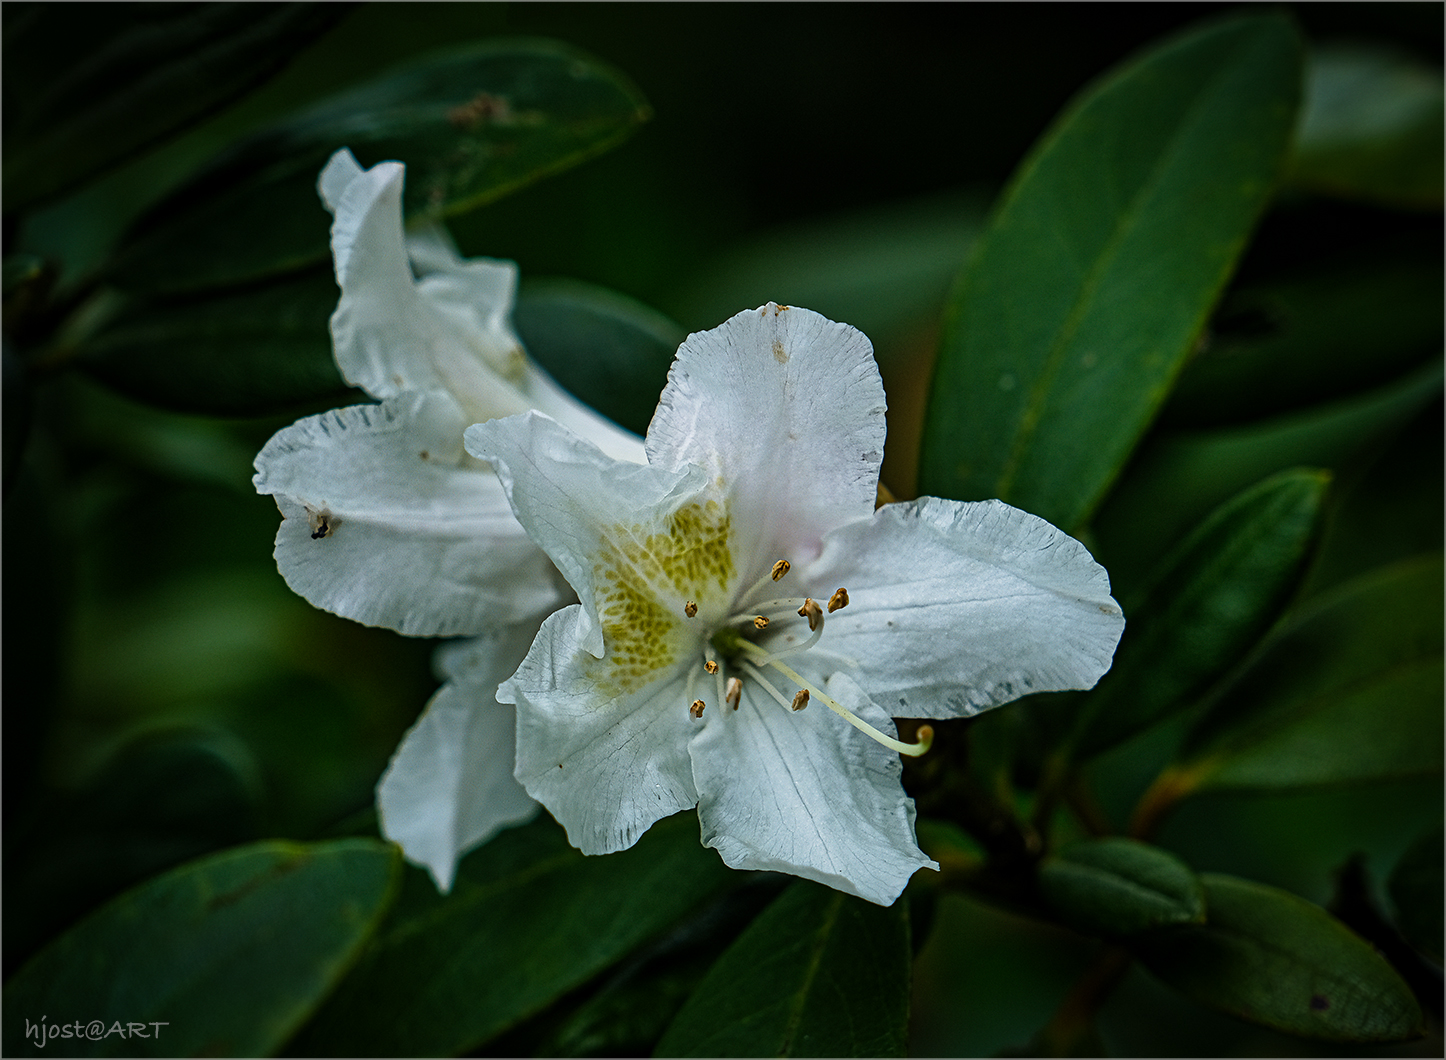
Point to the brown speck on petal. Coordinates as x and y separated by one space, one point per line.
322 522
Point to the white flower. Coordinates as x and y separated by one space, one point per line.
743 574
388 521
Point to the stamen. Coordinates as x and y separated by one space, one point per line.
753 672
800 699
781 606
696 710
691 609
772 576
925 734
814 623
813 613
759 622
710 666
735 690
839 600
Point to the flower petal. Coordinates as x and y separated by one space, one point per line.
388 523
581 507
806 793
389 335
607 762
449 786
449 329
787 408
958 607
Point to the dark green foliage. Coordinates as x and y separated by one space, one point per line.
1201 329
1093 279
83 92
528 920
819 973
472 125
1119 887
1272 958
231 952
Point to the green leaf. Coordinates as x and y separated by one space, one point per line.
635 1002
529 919
250 352
1219 591
166 796
1317 333
610 350
819 973
1177 478
1266 956
1371 128
1350 691
1100 266
1416 890
82 95
229 953
471 125
1117 887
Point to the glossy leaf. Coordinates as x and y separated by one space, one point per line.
236 353
1350 691
230 953
1270 957
819 973
529 919
471 125
634 1004
1322 332
1178 478
1116 887
1218 592
1416 890
82 95
610 350
1100 266
1371 128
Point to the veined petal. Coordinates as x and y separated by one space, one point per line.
786 408
449 786
627 537
388 523
606 758
806 793
388 335
958 607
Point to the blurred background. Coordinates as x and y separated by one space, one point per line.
166 695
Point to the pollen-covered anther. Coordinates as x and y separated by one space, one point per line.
735 690
811 611
839 600
780 568
696 710
691 609
710 666
800 699
760 622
